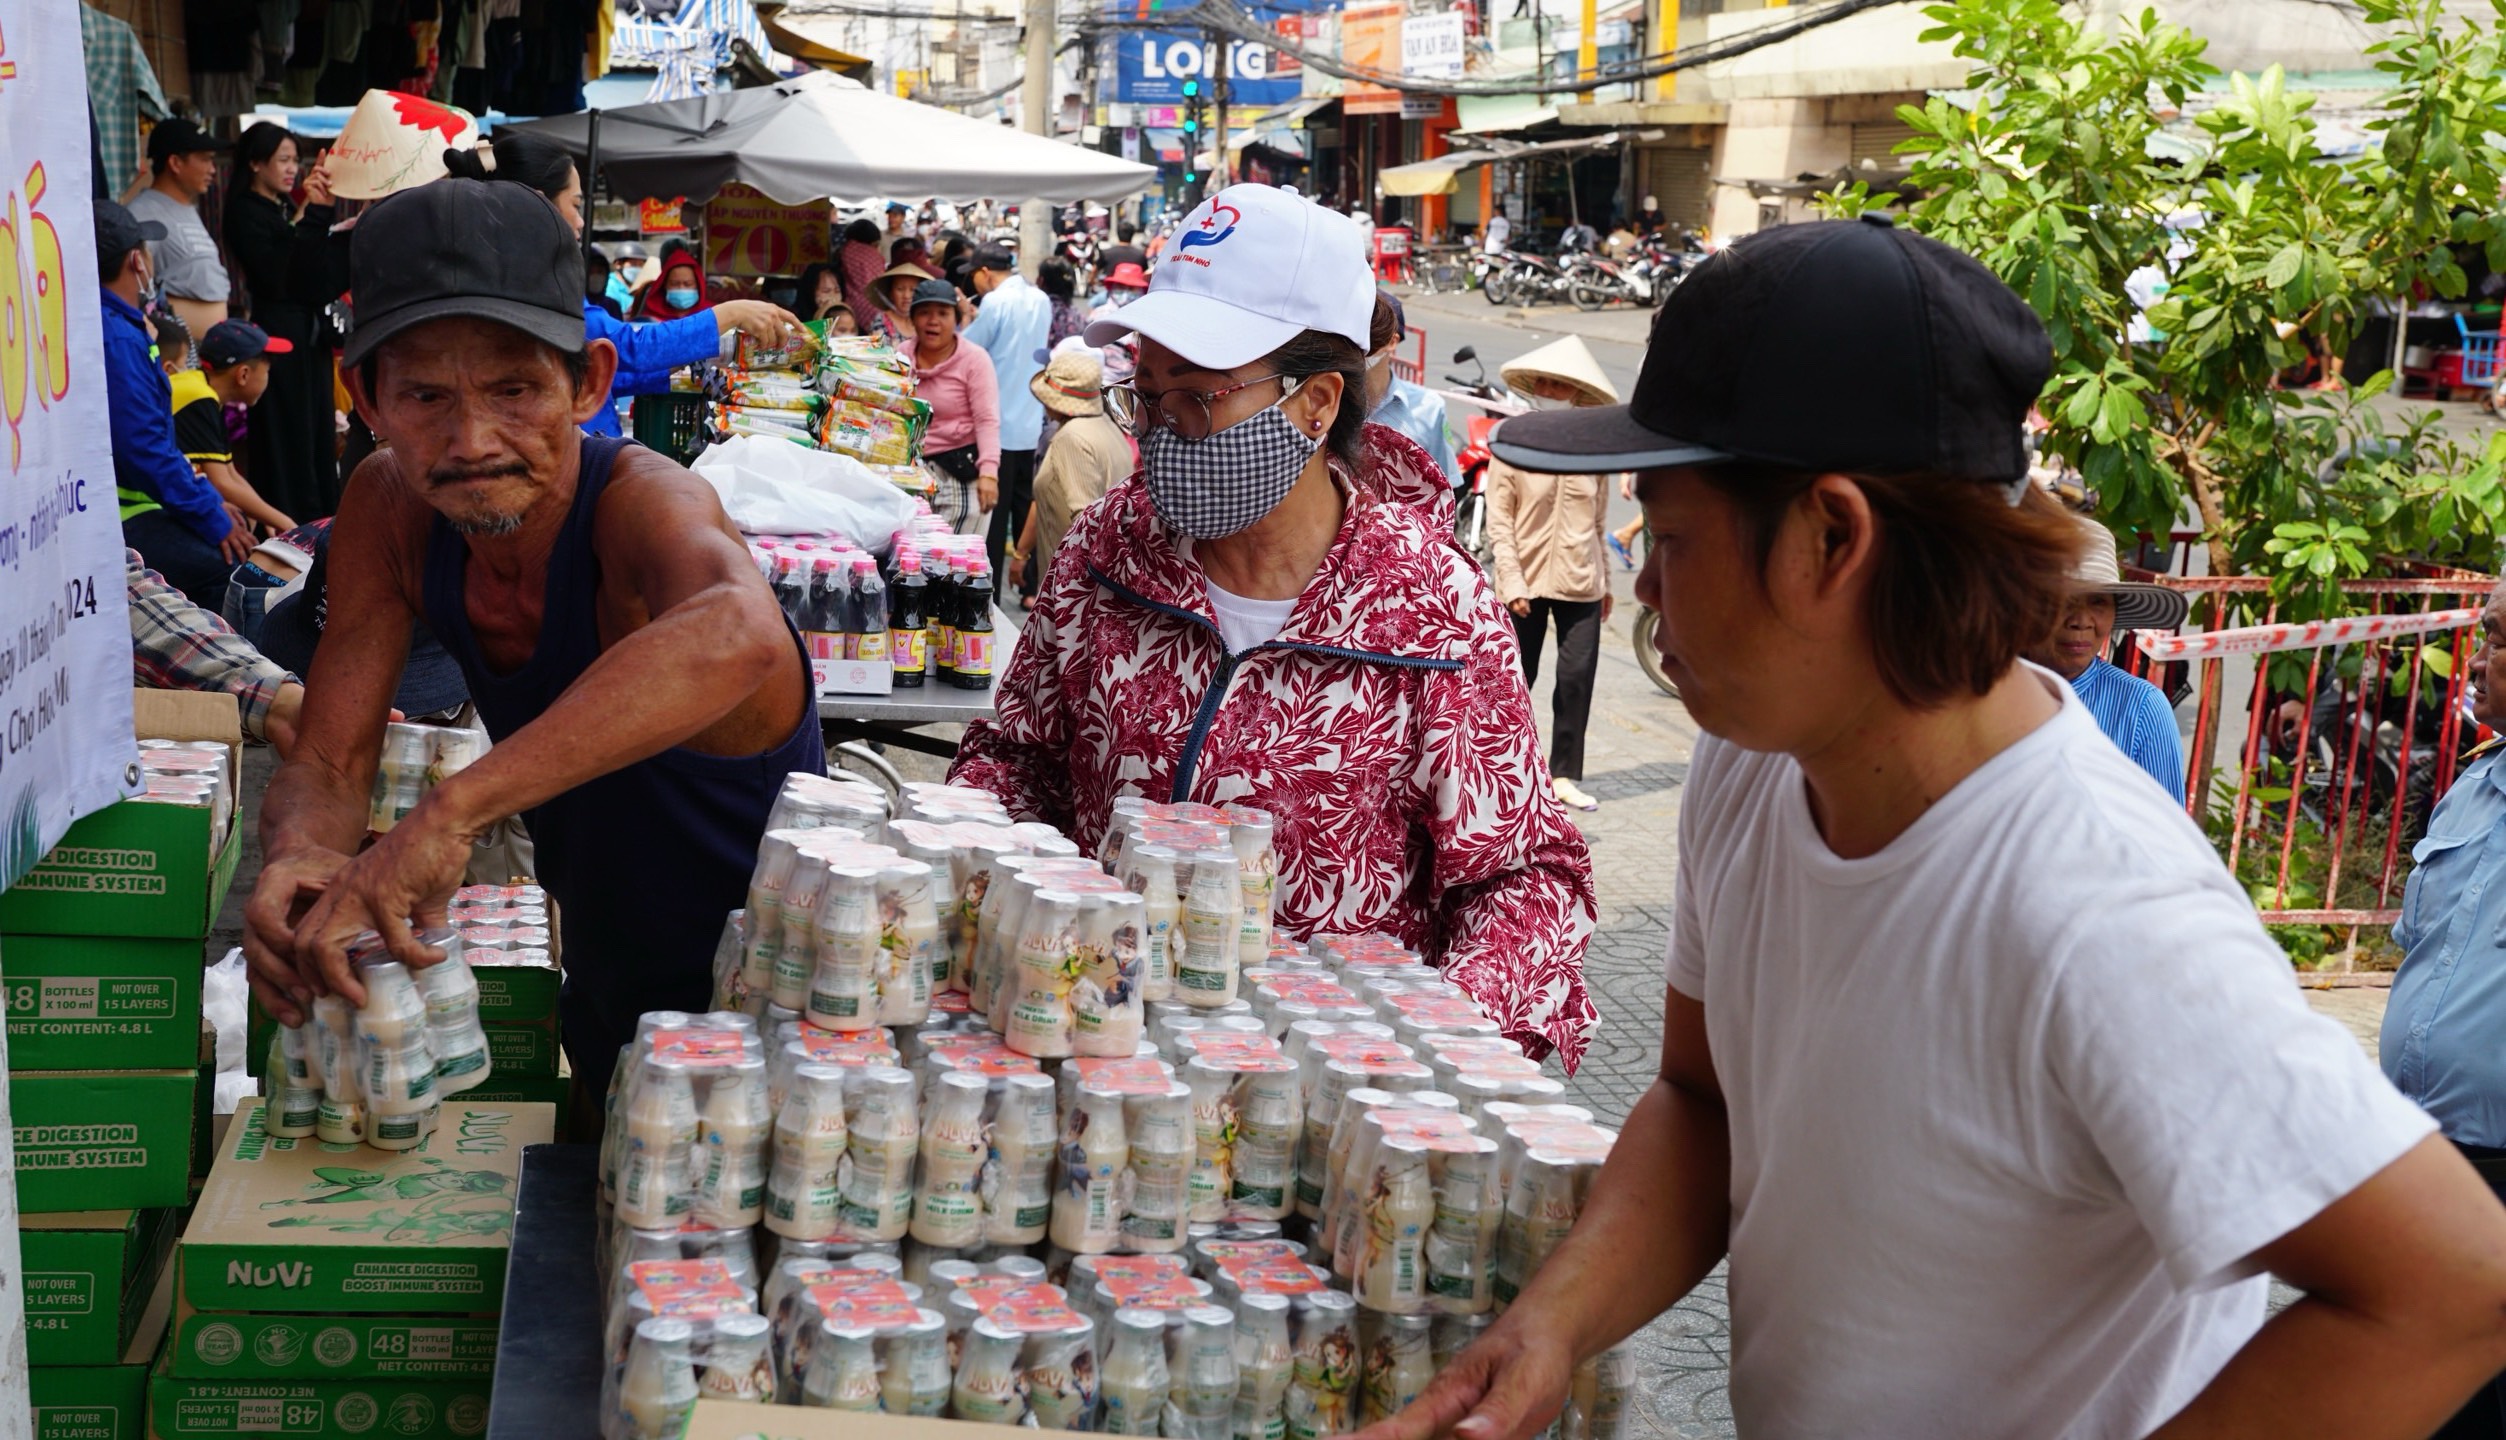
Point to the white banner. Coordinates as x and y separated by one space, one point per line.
65 664
1431 47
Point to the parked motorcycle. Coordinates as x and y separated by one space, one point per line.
1493 402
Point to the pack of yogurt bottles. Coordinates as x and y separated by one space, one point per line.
942 1149
192 773
416 759
378 1073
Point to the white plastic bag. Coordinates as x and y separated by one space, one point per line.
774 487
225 997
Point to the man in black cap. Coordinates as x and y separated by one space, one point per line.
1976 1063
170 513
184 161
645 694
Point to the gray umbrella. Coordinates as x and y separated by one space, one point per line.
821 136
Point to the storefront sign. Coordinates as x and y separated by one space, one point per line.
1370 38
657 218
1431 47
1150 69
749 234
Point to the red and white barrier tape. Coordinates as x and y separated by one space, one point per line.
2262 639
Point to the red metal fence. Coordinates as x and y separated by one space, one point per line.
2333 777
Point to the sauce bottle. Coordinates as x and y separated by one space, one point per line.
909 647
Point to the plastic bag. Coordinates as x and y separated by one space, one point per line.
771 487
224 998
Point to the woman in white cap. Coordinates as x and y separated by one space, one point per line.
1263 615
2134 713
1545 532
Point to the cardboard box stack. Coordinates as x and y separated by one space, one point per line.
326 1290
101 955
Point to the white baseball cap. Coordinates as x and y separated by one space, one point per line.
1252 268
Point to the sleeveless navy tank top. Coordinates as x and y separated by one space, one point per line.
644 861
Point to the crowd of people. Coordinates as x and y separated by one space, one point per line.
1974 1060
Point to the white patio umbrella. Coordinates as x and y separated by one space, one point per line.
821 136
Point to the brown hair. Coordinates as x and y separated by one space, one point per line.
1967 581
1379 331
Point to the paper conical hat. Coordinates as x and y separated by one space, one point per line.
394 141
1565 361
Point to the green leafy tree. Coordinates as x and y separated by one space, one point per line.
2055 172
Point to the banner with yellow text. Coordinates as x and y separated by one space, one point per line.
65 663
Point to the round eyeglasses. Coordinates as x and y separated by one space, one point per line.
1186 412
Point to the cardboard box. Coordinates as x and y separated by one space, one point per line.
503 1089
300 1227
181 1409
80 1002
88 1276
146 870
511 993
517 1052
332 1347
103 1139
103 1402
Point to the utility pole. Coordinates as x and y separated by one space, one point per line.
1223 169
1035 103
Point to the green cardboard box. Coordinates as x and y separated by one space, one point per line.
300 1227
183 1409
332 1347
89 1274
145 870
103 1139
106 1401
516 1052
78 1002
511 993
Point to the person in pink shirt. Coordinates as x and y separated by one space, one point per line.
964 440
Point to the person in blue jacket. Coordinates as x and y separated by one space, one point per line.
170 513
648 352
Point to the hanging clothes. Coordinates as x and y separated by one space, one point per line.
122 88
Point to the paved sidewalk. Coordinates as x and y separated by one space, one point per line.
1622 325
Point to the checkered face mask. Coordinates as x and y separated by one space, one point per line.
1215 486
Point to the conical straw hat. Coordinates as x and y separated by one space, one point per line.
394 141
1567 362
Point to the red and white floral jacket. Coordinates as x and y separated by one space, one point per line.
1387 728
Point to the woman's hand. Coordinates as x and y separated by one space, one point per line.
766 324
1606 600
1506 1386
1520 607
987 491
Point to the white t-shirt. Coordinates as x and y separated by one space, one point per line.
2010 1100
1499 231
1246 623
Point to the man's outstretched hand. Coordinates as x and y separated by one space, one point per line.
1508 1385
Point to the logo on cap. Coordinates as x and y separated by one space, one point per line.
1210 232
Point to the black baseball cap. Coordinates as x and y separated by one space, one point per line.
179 136
1838 345
118 233
491 250
232 342
933 292
995 257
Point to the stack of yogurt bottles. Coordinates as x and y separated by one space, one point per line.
378 1073
416 759
944 1149
188 772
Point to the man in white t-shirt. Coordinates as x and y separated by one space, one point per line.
1976 1063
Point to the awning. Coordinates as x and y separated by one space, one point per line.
825 137
1487 114
811 38
1294 113
1438 176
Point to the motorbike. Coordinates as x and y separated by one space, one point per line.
1593 282
1494 402
1532 279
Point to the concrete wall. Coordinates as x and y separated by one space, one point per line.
1771 139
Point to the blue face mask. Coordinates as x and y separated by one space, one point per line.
680 299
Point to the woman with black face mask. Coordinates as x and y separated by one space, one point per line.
1272 613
